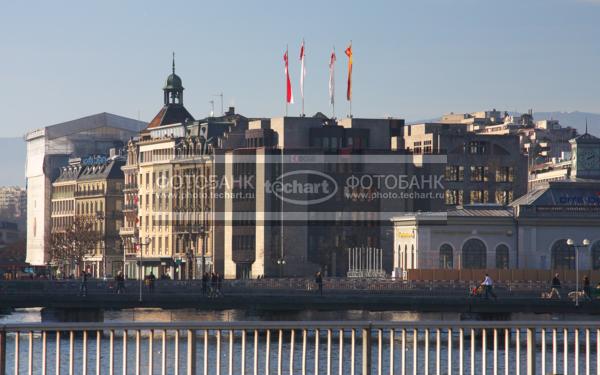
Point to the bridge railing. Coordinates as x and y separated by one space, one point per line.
301 347
283 284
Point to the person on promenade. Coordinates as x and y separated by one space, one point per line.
204 283
219 284
587 288
555 291
488 285
151 280
213 285
319 281
120 279
83 287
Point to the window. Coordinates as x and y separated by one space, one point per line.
454 197
479 196
474 254
504 197
596 255
476 148
504 174
446 258
502 257
454 173
479 173
563 255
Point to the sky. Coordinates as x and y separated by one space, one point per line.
62 60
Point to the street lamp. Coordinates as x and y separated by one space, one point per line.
281 263
584 244
141 242
100 218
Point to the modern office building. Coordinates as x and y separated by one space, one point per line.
13 202
480 168
50 148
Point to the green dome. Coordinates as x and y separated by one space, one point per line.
173 82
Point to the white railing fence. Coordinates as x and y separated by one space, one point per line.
301 348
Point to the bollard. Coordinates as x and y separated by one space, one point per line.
531 351
366 347
3 352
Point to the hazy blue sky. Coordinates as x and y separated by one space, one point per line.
414 59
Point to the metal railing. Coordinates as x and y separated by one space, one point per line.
301 347
288 285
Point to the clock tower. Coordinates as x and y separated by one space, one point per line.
585 151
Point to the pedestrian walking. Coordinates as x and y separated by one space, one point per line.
204 283
555 291
83 287
488 285
219 283
120 280
151 280
213 285
319 281
587 289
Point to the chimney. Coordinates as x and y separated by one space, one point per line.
230 111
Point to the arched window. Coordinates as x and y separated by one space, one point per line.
563 255
474 254
595 251
446 259
502 256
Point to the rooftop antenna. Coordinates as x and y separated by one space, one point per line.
221 96
173 62
212 108
586 125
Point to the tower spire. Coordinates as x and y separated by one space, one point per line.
173 62
586 125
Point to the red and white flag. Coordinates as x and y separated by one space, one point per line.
332 78
289 96
302 69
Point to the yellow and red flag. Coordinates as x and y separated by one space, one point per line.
349 54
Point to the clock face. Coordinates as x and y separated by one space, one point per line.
589 159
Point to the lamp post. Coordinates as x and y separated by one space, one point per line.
281 263
584 244
100 219
141 243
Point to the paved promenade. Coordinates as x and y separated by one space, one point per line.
172 294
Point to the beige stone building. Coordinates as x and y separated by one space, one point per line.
90 189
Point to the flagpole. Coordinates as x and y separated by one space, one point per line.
333 92
302 72
351 86
286 75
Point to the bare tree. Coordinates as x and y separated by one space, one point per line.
70 246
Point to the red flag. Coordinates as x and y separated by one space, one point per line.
302 69
349 54
332 78
289 96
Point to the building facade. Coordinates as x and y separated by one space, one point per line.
50 148
480 169
90 190
531 233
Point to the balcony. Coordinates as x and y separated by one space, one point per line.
130 208
127 231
